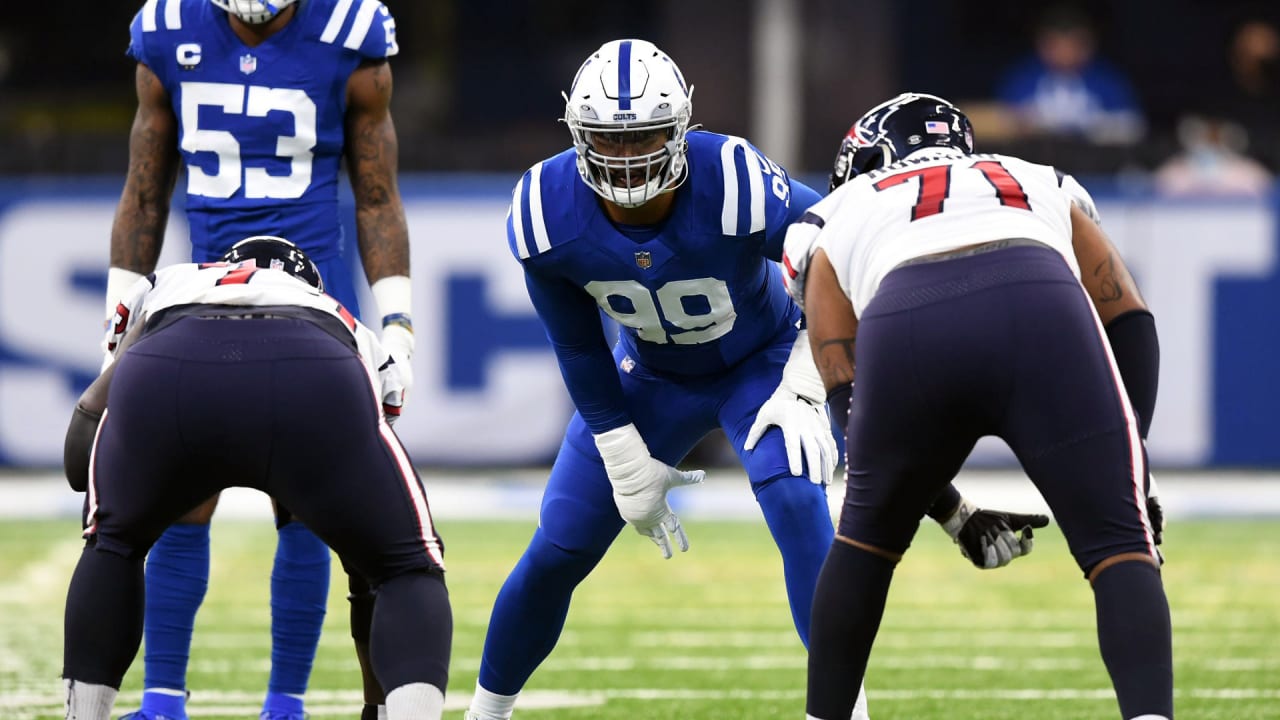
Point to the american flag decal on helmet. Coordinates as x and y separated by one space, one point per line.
644 259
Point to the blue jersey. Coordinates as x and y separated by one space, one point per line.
260 128
693 296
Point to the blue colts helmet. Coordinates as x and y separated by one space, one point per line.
276 253
896 128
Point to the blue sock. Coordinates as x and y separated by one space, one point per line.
165 704
299 596
283 704
177 573
797 514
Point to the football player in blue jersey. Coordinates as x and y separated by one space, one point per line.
673 233
261 100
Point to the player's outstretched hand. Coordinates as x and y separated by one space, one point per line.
991 538
806 432
640 485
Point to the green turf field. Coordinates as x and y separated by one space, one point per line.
707 635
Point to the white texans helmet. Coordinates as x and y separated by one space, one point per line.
628 111
254 12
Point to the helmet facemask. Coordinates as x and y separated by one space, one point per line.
254 12
629 164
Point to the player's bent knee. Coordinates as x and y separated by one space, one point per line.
1113 560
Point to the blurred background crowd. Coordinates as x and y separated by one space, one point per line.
1184 94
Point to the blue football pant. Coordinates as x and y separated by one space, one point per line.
578 519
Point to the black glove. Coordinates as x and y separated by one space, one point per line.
991 538
1156 514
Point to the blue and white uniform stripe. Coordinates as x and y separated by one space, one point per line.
744 200
526 209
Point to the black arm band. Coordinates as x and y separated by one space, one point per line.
838 401
945 504
1137 350
78 446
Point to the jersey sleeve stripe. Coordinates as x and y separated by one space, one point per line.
755 180
729 215
336 21
360 28
738 209
173 14
149 15
517 219
538 220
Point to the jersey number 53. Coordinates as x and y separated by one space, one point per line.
252 101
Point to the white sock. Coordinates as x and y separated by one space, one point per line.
1150 717
860 707
415 701
492 706
382 712
86 701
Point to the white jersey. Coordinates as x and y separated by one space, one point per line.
940 200
245 284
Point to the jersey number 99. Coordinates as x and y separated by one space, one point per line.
253 101
646 319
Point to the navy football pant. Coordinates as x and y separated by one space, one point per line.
278 405
1004 343
579 521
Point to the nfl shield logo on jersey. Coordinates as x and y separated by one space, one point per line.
644 259
248 64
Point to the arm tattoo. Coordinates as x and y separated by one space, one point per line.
381 232
835 361
138 231
1112 288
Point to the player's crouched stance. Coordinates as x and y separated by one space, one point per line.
960 277
244 372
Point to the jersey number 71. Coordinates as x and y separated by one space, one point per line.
935 186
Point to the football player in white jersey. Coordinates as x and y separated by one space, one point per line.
244 372
953 283
260 101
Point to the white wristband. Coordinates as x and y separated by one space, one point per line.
800 375
393 297
119 281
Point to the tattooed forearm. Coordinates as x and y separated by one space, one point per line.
1111 285
381 231
138 230
835 361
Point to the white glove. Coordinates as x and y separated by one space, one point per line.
799 408
640 484
798 247
398 342
991 538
